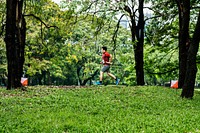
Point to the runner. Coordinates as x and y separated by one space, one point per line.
106 61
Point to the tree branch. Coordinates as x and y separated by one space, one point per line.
116 31
152 18
195 7
32 15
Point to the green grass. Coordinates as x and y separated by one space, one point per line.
102 109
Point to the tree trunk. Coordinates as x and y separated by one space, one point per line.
89 78
49 81
15 42
184 19
188 87
138 32
139 48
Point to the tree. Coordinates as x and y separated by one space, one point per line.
187 57
15 39
188 87
15 42
187 10
184 20
137 35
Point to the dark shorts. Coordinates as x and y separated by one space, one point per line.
105 68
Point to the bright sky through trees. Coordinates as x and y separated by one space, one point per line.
56 1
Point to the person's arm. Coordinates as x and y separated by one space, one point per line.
110 60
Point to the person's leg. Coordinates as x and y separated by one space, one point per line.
111 75
115 78
104 68
101 76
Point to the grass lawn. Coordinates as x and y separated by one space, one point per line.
112 109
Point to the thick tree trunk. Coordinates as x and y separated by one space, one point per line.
15 42
188 87
184 19
13 81
139 60
138 32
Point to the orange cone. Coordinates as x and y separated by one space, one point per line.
24 81
174 84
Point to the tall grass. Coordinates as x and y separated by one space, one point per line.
112 109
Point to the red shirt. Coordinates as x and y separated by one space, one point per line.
105 58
